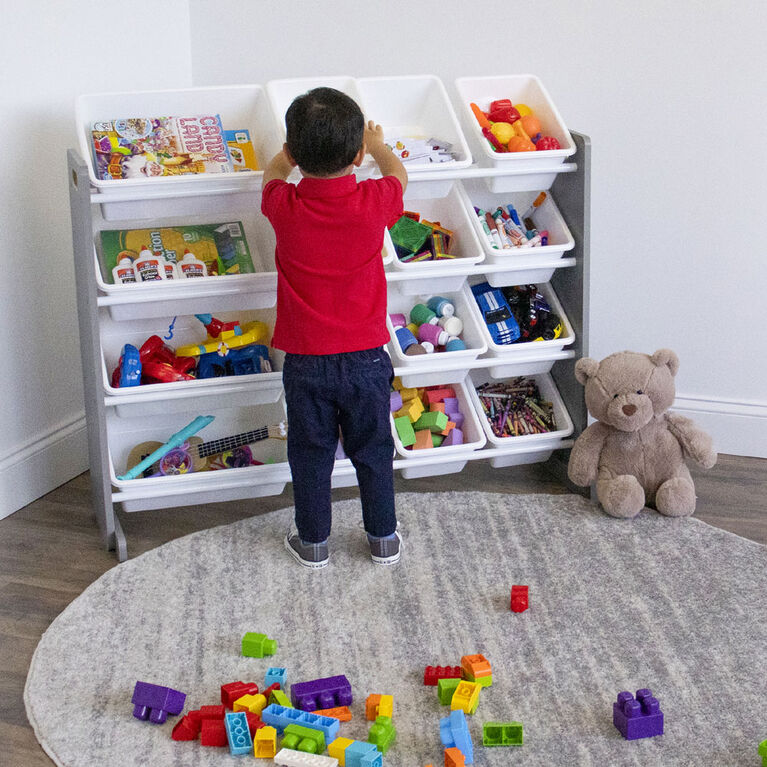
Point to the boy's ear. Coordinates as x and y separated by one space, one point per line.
360 155
289 155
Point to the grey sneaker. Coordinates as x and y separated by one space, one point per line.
312 555
385 551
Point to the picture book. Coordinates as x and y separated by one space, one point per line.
142 147
241 150
222 247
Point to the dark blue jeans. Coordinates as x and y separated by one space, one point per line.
350 391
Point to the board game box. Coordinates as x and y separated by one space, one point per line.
222 247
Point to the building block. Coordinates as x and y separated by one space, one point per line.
186 729
338 749
762 751
437 407
436 439
265 743
465 697
253 703
210 712
445 689
382 733
280 717
327 692
638 718
238 733
301 738
454 731
412 409
154 702
342 713
454 757
287 757
408 394
270 689
279 697
230 692
379 705
405 431
432 674
386 706
360 753
395 401
434 421
454 436
258 645
254 722
473 666
452 405
438 395
276 675
519 602
502 734
422 440
213 733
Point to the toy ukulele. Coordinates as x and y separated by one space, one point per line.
194 454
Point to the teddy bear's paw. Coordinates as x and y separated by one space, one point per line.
676 497
622 496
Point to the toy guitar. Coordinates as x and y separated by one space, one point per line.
194 455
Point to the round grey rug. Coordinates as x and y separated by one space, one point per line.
670 604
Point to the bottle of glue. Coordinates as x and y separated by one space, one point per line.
191 266
149 267
123 273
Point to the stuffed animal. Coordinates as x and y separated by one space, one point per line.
635 451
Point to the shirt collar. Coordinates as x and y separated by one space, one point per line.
327 187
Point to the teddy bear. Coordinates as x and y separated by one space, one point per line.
636 449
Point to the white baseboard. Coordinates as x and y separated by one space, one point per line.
738 428
42 464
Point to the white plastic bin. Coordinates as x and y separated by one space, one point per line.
239 106
532 262
536 444
151 399
124 433
453 458
529 356
429 369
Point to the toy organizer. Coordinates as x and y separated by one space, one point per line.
112 315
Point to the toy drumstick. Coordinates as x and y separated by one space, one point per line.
176 440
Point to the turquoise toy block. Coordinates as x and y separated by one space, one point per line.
382 733
454 732
362 754
280 717
275 675
238 733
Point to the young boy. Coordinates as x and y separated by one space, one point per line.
331 315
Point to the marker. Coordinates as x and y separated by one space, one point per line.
498 219
537 202
493 231
485 228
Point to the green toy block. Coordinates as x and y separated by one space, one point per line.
445 690
279 697
258 645
502 734
484 681
437 439
763 752
432 420
405 430
382 733
409 234
304 739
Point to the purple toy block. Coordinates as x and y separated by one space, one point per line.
454 437
452 405
395 401
640 718
330 692
154 702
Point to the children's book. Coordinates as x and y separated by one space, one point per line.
143 147
222 247
241 150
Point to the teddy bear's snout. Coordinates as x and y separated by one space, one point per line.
629 409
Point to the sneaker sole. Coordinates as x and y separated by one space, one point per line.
303 562
386 560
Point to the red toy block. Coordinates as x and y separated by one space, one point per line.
254 722
437 395
187 729
519 599
454 757
270 689
230 692
432 674
212 712
213 733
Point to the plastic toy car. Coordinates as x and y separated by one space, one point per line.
496 313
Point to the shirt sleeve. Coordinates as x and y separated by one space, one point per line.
389 198
272 197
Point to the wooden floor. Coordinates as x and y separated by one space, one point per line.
50 552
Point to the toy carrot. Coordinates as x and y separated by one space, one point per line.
480 115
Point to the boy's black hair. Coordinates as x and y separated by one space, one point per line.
324 131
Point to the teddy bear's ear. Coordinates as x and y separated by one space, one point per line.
585 368
666 357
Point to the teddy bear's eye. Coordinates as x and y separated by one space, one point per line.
615 396
639 391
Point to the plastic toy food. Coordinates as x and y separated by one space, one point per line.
511 128
520 144
547 142
503 131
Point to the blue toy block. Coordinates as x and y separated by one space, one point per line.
454 732
275 675
280 717
238 733
360 753
640 718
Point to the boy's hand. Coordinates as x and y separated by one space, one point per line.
387 161
279 167
373 134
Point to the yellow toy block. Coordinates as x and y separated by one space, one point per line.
253 703
386 706
412 409
408 394
265 742
423 440
337 749
465 697
396 383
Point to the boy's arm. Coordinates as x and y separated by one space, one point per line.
279 167
386 160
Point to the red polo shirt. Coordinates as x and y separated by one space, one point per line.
331 288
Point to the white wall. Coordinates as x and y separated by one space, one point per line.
50 52
673 97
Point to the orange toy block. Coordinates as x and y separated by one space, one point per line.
450 425
371 707
474 666
454 757
422 439
342 713
439 407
